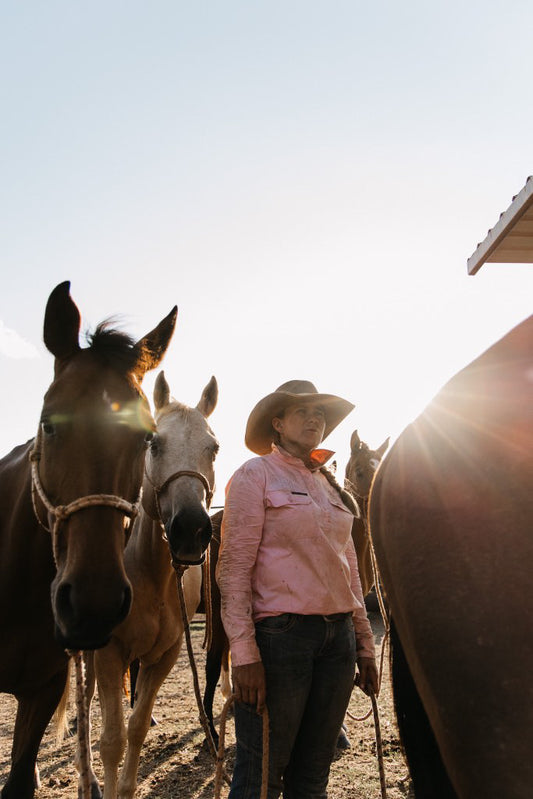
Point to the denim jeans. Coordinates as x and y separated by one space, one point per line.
309 666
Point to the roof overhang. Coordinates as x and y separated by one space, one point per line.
510 241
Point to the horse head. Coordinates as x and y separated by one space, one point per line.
362 465
87 465
179 478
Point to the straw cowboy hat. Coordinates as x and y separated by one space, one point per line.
259 431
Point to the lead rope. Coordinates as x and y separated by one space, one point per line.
206 582
203 718
83 724
379 746
386 623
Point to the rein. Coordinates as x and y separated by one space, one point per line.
62 512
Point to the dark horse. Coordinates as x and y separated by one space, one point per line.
451 515
66 499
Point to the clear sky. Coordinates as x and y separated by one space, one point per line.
305 180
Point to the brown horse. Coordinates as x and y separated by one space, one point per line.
173 527
359 474
66 499
451 512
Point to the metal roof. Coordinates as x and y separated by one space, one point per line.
510 241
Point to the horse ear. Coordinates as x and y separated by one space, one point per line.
381 450
152 347
61 323
209 398
161 391
355 441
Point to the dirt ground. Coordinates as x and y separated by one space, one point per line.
176 763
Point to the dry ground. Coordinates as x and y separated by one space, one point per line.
175 763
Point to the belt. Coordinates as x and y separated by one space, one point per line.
337 616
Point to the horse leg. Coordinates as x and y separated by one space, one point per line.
33 715
426 768
213 664
110 670
134 674
90 684
149 682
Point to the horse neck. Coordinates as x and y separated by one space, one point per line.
147 551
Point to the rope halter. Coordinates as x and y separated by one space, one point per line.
159 489
62 512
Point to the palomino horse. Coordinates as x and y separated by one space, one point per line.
359 474
66 499
178 485
451 512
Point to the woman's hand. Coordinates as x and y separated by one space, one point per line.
367 676
249 684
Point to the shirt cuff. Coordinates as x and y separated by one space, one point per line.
244 652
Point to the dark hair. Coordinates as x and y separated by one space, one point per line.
348 500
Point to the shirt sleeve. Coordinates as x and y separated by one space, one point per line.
363 631
241 533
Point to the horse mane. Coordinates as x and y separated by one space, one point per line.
114 348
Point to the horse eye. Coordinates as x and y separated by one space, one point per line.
152 441
149 437
48 428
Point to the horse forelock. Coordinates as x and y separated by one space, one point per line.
114 348
182 410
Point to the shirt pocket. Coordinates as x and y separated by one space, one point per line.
289 517
283 498
340 520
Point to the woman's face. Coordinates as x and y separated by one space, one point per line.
301 428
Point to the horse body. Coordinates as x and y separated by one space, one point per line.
359 474
450 517
62 578
177 486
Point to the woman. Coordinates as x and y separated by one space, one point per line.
292 604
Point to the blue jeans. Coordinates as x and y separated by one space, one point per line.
309 666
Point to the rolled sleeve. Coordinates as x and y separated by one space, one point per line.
241 533
363 631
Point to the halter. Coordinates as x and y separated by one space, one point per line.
158 489
62 512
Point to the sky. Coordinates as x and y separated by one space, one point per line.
305 180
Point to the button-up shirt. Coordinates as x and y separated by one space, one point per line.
286 548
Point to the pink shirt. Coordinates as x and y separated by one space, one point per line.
286 548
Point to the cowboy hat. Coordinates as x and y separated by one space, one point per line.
259 431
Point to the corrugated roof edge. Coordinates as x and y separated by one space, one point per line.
508 219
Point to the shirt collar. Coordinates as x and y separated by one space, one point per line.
317 458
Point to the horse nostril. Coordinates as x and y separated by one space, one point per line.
64 600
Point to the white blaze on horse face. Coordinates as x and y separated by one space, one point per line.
184 442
